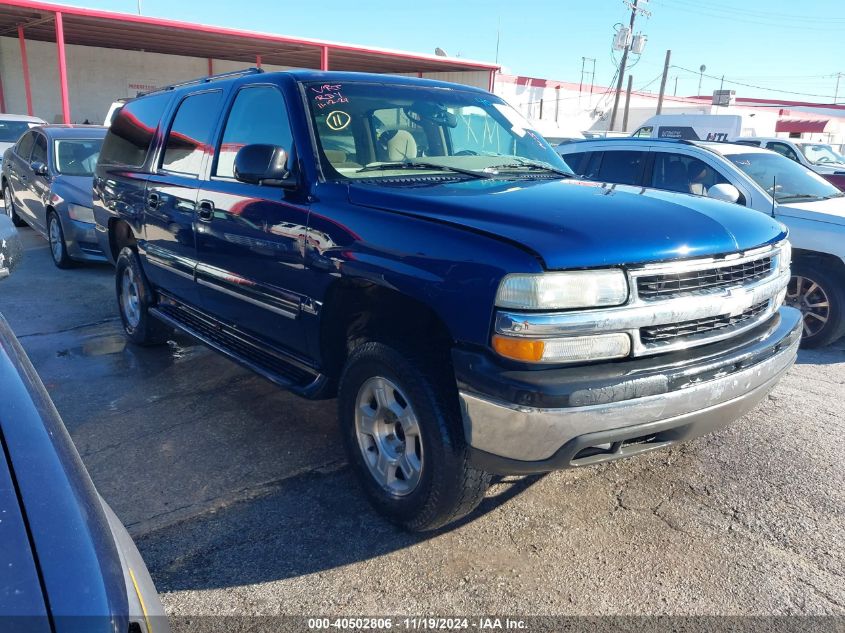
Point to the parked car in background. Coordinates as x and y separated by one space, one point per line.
12 127
47 184
820 157
113 110
473 307
759 179
67 564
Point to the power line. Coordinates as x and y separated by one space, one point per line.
727 10
763 20
756 87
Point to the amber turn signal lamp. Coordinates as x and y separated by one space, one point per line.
524 349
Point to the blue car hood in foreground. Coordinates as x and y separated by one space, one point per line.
578 224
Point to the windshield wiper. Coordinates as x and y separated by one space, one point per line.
523 163
413 164
800 196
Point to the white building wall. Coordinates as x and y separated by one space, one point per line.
98 76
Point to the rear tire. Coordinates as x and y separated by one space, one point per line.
820 295
9 207
56 238
134 299
402 430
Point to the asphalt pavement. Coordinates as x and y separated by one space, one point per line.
240 500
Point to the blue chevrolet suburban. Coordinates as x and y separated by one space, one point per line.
415 249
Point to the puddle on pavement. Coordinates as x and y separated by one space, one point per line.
108 344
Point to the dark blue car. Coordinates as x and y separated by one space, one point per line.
415 249
67 564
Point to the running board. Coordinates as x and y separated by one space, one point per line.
272 363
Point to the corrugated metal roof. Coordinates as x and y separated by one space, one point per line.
125 31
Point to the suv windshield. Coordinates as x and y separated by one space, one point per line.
819 154
11 131
77 157
784 178
367 130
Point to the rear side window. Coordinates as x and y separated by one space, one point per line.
190 134
784 150
131 133
574 161
258 115
39 152
621 167
684 174
25 145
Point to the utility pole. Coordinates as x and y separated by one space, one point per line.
836 94
663 81
627 103
635 9
701 70
675 93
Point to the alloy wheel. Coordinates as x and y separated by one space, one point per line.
811 299
388 435
55 238
130 302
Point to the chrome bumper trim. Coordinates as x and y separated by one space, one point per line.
531 434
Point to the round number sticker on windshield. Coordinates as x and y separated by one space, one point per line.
338 120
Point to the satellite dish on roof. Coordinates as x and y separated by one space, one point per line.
440 52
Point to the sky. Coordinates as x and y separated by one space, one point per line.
775 47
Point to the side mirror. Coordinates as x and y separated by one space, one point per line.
11 247
263 165
39 168
725 192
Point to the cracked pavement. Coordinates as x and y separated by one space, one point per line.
240 500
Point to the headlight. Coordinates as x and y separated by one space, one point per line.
785 258
568 349
563 290
81 214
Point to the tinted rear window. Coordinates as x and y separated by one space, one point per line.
190 134
131 133
621 167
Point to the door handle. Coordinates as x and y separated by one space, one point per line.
205 210
153 200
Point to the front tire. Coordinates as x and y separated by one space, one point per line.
820 295
134 299
9 207
402 430
56 238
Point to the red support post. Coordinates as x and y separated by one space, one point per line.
324 58
210 67
258 61
25 64
492 83
60 45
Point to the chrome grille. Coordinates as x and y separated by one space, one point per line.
676 284
659 334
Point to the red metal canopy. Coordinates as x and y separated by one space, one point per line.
801 125
88 27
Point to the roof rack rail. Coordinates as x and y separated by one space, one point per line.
204 80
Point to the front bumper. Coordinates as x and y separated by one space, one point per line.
81 240
613 410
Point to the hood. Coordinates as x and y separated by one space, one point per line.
578 224
5 146
831 211
75 189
